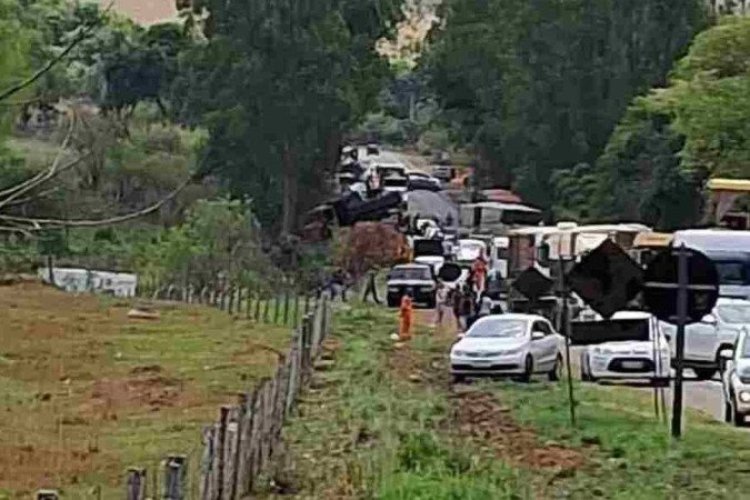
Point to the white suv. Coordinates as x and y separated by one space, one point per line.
717 331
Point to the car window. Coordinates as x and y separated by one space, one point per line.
745 351
541 326
734 313
731 273
498 328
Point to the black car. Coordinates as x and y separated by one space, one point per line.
373 149
417 278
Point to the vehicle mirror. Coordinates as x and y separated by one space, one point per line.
537 335
709 319
726 354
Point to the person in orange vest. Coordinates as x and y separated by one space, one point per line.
405 313
479 270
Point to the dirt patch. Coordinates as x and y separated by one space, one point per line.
109 398
480 417
30 467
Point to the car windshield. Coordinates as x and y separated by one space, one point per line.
735 313
731 273
498 328
410 273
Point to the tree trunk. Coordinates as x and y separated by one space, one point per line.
291 187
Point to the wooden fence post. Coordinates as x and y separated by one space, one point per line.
136 484
222 300
175 477
220 447
307 303
231 446
245 459
265 310
230 300
248 302
276 309
286 307
296 309
208 464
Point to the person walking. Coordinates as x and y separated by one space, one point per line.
467 308
456 301
405 315
441 304
479 272
371 289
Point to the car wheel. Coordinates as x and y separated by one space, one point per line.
738 418
704 373
556 373
528 369
585 376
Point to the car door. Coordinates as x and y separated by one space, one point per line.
701 340
544 348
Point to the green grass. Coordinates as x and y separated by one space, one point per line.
632 453
367 431
371 434
85 392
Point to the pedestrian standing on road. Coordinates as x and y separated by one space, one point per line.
405 315
442 304
479 271
467 308
371 289
456 301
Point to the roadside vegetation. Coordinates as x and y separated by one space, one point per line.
86 392
395 428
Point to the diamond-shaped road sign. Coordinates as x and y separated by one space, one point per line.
606 279
532 284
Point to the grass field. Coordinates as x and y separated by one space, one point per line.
385 422
86 392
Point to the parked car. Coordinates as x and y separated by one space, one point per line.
629 359
419 278
373 149
716 332
508 344
444 173
422 180
735 381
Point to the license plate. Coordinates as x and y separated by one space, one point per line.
480 364
632 365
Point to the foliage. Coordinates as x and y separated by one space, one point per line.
277 87
368 245
218 241
674 138
536 87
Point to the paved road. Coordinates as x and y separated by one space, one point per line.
701 395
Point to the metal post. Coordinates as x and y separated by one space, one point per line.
682 305
565 323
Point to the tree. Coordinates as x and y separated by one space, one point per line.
277 84
538 86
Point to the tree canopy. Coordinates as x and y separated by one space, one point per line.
277 84
536 87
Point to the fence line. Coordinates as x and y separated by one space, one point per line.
241 444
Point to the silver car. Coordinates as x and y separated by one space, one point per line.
736 380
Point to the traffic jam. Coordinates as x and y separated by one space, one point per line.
525 297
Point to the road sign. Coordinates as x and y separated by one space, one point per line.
532 284
606 279
661 285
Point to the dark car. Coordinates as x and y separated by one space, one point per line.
418 278
373 149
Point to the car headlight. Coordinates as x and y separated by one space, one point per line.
393 289
459 353
602 350
744 396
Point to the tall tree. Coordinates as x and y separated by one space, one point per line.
537 86
276 84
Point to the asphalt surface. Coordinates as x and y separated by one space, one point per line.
702 395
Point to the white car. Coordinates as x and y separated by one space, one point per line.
716 332
736 381
423 176
630 359
508 344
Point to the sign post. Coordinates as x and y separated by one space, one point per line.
682 305
681 286
565 327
